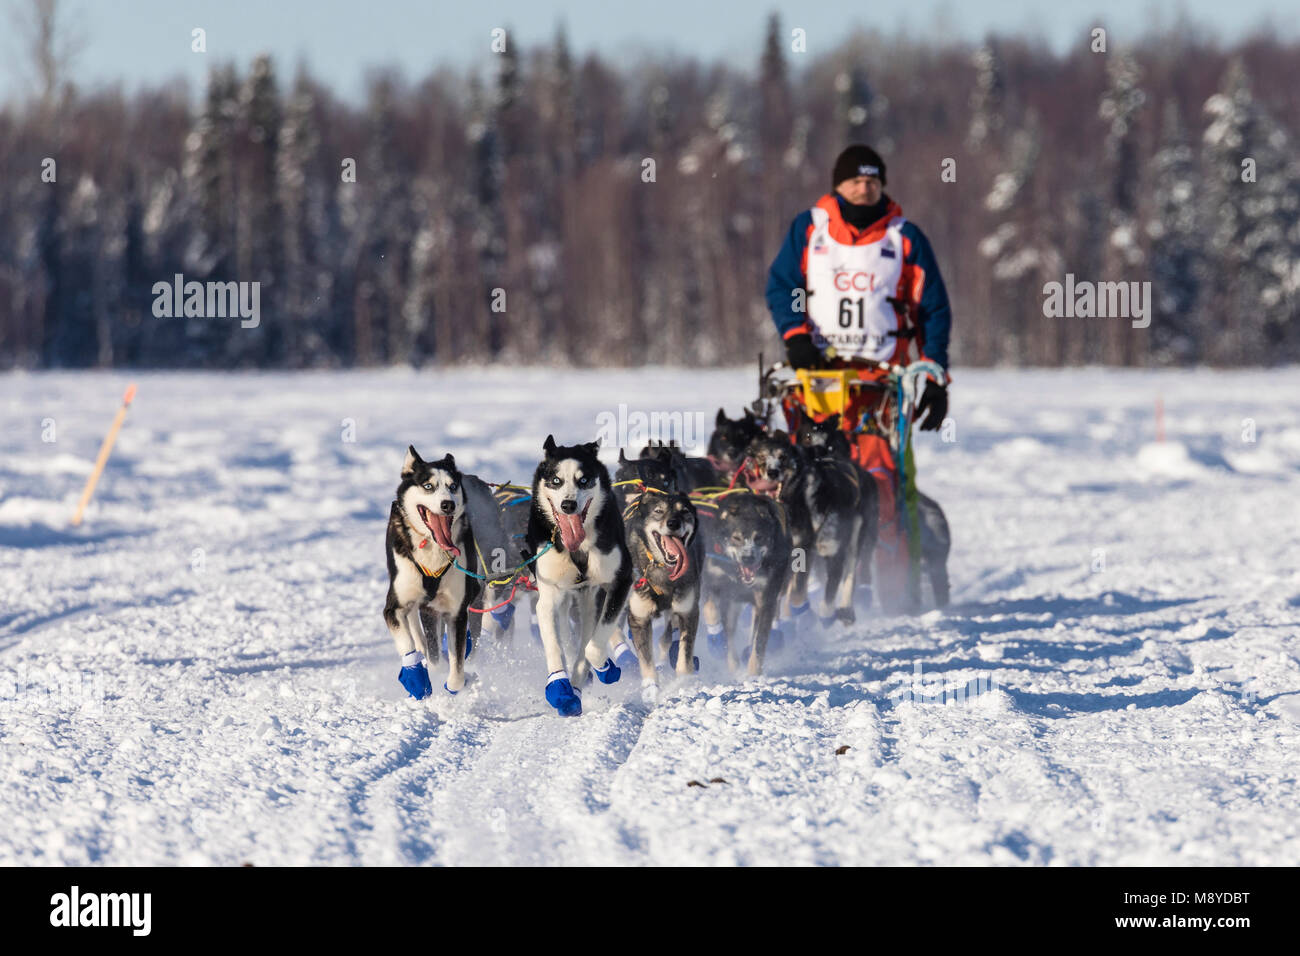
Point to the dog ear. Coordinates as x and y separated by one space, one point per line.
449 462
721 419
622 458
549 446
592 446
413 461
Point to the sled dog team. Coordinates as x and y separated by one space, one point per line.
765 506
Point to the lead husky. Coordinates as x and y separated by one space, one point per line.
574 512
428 528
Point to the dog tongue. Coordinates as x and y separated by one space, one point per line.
572 533
441 528
673 547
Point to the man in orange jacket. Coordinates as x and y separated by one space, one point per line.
856 280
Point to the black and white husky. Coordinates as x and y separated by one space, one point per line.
576 531
429 528
669 560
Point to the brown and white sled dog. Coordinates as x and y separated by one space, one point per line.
576 531
428 528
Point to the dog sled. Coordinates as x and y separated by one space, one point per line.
874 403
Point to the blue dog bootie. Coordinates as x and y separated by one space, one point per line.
562 695
801 619
504 616
624 656
469 644
776 639
608 673
716 639
415 676
672 655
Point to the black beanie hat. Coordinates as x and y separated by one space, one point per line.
858 160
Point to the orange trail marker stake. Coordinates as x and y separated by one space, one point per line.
104 451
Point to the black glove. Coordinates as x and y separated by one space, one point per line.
933 405
801 353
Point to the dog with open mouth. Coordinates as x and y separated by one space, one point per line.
576 531
749 563
428 530
668 556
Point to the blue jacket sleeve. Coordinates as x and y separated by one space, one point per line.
934 314
786 274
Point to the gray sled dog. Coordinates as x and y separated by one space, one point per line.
822 499
576 532
668 556
428 529
749 550
827 438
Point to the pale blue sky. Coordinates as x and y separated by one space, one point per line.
148 41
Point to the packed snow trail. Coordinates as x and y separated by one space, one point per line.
200 673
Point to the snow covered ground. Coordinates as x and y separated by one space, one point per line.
200 673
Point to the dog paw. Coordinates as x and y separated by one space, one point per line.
562 695
414 676
449 690
716 642
650 694
624 656
609 673
846 615
776 639
673 649
826 622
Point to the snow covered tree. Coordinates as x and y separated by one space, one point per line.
1120 107
987 98
1175 231
301 201
1252 202
258 227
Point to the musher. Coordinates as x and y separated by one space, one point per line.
856 280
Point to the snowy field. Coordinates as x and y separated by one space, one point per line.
200 673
